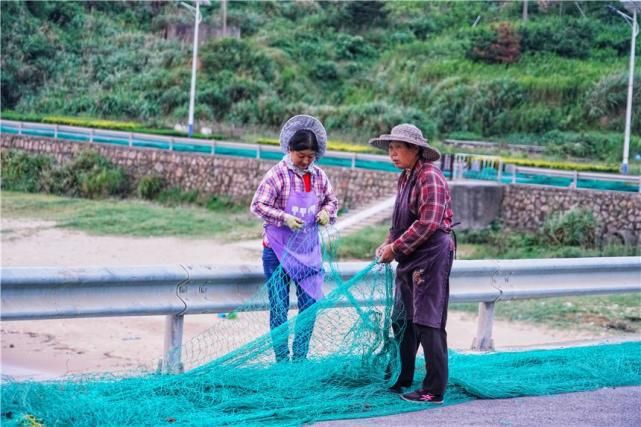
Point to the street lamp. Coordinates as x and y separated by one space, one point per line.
192 93
634 7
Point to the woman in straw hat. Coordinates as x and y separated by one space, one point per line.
292 198
420 240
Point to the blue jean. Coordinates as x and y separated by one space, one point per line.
278 290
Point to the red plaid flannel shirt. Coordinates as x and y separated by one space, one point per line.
430 201
271 196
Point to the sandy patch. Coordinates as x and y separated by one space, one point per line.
40 243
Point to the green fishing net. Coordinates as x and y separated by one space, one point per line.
348 360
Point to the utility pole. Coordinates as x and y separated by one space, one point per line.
194 61
223 5
634 7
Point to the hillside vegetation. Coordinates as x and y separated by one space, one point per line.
558 79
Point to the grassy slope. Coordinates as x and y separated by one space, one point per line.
361 70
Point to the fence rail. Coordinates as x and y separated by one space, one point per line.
175 291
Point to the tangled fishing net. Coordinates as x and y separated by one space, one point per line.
347 361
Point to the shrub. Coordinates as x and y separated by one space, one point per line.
595 145
575 227
22 171
606 102
501 44
571 38
150 186
87 175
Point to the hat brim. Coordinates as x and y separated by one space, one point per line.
431 154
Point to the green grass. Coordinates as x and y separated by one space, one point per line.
595 313
131 218
362 244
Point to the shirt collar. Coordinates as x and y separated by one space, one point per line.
296 169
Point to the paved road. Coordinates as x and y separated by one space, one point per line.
605 407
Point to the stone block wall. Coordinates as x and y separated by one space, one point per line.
525 207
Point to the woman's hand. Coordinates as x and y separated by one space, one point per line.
292 222
322 217
385 253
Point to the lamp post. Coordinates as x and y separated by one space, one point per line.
634 7
192 91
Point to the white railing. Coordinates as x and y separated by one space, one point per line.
30 293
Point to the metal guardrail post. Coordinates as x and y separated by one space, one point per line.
171 144
55 131
483 340
499 174
91 135
514 171
213 147
171 362
131 139
258 151
20 128
353 160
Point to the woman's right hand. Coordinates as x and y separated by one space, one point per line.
292 222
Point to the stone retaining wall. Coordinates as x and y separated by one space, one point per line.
517 206
526 207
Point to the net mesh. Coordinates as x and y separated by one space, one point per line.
333 359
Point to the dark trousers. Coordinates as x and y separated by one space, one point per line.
278 291
434 343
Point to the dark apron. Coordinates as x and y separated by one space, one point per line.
422 278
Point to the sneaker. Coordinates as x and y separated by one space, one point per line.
422 396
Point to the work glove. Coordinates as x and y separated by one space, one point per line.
292 222
322 217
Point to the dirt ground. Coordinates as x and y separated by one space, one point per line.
51 348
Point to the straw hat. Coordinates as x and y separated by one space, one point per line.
300 122
410 134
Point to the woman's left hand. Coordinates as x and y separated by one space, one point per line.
322 217
386 254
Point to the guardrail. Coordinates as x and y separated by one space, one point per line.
175 291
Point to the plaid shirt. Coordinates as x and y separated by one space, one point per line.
271 196
430 201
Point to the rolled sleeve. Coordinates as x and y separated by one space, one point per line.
263 203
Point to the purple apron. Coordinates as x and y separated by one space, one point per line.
299 252
422 278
